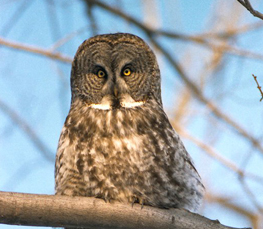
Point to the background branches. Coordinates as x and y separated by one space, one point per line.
206 54
35 50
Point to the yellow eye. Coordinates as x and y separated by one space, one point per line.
101 74
126 72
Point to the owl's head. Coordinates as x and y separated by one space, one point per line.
115 70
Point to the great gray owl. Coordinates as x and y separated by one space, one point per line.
117 142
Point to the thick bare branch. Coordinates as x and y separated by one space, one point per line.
58 211
35 50
249 7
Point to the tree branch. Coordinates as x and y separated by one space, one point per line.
192 85
249 7
210 151
28 130
258 86
61 211
242 211
201 40
201 97
35 50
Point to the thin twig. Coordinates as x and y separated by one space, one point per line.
194 88
53 19
68 37
28 130
250 194
35 50
16 15
196 39
259 87
211 152
94 27
249 7
211 45
232 32
228 203
21 173
199 95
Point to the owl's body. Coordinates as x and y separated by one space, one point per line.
117 142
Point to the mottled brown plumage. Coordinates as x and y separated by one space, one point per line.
117 142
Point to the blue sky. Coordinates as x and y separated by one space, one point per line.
38 89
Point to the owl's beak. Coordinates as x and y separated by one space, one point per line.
115 91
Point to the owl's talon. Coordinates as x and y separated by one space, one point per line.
133 200
141 202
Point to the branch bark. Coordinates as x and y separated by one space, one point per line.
36 50
258 86
249 7
61 211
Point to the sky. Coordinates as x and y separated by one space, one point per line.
37 89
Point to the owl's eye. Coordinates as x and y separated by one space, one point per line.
126 72
101 73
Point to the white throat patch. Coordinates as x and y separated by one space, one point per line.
100 106
126 101
131 104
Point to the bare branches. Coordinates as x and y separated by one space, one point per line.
68 37
204 70
242 174
35 50
227 202
259 87
199 95
194 88
92 19
249 7
24 5
199 39
24 126
16 209
210 151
